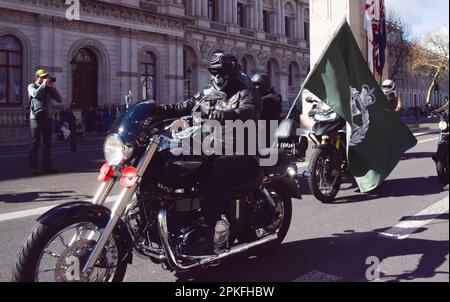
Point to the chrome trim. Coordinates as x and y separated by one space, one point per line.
103 191
120 205
200 260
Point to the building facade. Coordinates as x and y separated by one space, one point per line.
157 49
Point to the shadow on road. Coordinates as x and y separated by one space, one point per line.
342 255
418 186
418 155
41 196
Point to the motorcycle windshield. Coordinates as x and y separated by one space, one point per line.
130 124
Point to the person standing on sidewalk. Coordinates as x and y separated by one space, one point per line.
41 94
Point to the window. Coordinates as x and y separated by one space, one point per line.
288 27
212 10
269 68
306 33
10 71
291 76
148 76
244 65
266 21
241 14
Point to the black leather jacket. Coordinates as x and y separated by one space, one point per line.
242 103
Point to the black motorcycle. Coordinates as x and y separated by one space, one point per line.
158 213
441 156
328 164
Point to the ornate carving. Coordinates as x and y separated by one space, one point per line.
111 11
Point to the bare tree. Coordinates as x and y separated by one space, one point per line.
431 59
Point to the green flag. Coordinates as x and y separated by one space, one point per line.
376 137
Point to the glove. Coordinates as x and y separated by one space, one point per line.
221 116
217 116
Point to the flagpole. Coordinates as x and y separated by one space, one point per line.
344 20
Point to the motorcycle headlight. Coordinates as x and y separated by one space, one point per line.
115 150
443 125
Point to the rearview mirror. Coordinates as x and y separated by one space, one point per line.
285 128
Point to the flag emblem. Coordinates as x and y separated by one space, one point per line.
359 102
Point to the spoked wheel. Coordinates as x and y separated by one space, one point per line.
281 218
59 253
325 176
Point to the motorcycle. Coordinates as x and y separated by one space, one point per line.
328 163
158 213
294 143
441 156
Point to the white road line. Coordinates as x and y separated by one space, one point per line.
37 211
428 140
406 228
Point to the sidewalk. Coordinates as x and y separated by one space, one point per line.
22 143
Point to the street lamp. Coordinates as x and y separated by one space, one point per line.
188 77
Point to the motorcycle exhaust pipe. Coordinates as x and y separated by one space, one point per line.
200 260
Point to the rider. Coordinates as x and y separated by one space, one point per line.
271 103
443 108
242 103
391 95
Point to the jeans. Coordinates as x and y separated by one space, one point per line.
225 173
41 128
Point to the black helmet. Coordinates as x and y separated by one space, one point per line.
262 82
223 66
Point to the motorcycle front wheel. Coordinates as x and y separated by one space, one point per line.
58 253
325 177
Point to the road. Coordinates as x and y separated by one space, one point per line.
403 224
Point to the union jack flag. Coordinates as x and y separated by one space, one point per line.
375 24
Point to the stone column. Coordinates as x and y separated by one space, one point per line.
300 22
204 8
260 14
234 10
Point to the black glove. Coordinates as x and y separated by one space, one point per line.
221 116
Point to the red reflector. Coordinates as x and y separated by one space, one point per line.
129 177
106 172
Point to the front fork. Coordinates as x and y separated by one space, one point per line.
120 205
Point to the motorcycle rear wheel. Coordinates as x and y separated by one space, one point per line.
27 266
318 172
443 169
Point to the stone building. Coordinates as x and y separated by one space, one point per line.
158 49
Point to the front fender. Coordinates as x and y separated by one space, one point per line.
73 211
291 186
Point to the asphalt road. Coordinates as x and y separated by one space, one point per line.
326 242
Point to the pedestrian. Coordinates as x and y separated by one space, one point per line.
41 93
106 118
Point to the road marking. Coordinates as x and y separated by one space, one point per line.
37 211
428 140
316 276
408 227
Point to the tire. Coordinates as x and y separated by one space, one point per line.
442 170
284 228
313 181
29 255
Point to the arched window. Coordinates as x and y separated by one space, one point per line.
148 76
10 71
244 65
